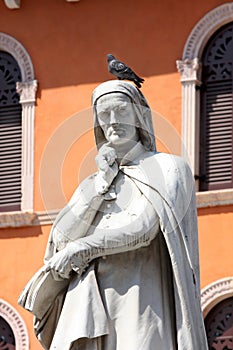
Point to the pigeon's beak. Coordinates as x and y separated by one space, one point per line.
110 57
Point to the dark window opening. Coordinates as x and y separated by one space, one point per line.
7 339
216 131
10 134
219 326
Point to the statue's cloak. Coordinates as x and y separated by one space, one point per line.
167 182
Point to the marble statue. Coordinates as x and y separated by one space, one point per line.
125 248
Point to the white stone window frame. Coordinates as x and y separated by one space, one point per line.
15 321
216 292
190 72
27 91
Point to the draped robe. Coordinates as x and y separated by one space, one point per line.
141 288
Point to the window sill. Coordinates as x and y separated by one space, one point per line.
214 198
22 219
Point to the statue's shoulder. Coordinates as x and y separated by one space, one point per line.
173 169
167 161
173 173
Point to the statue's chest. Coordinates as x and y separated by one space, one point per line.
129 206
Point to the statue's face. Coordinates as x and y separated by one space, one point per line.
117 118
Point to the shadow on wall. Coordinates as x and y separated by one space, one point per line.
215 210
20 232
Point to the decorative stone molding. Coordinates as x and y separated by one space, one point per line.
17 219
215 292
12 4
17 325
215 198
190 72
22 219
11 45
45 217
27 91
205 28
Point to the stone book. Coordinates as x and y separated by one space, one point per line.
41 291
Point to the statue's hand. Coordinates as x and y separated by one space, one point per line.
62 263
108 168
105 157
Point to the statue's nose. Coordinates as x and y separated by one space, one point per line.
113 117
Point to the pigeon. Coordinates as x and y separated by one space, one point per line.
121 71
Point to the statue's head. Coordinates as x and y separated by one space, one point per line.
116 102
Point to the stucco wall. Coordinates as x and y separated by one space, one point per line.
68 43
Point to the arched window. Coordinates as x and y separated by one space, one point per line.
219 326
10 134
206 82
13 331
17 107
216 117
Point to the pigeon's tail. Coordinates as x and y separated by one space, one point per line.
138 81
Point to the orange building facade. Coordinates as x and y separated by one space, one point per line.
60 47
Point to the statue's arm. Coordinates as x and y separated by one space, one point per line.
77 254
